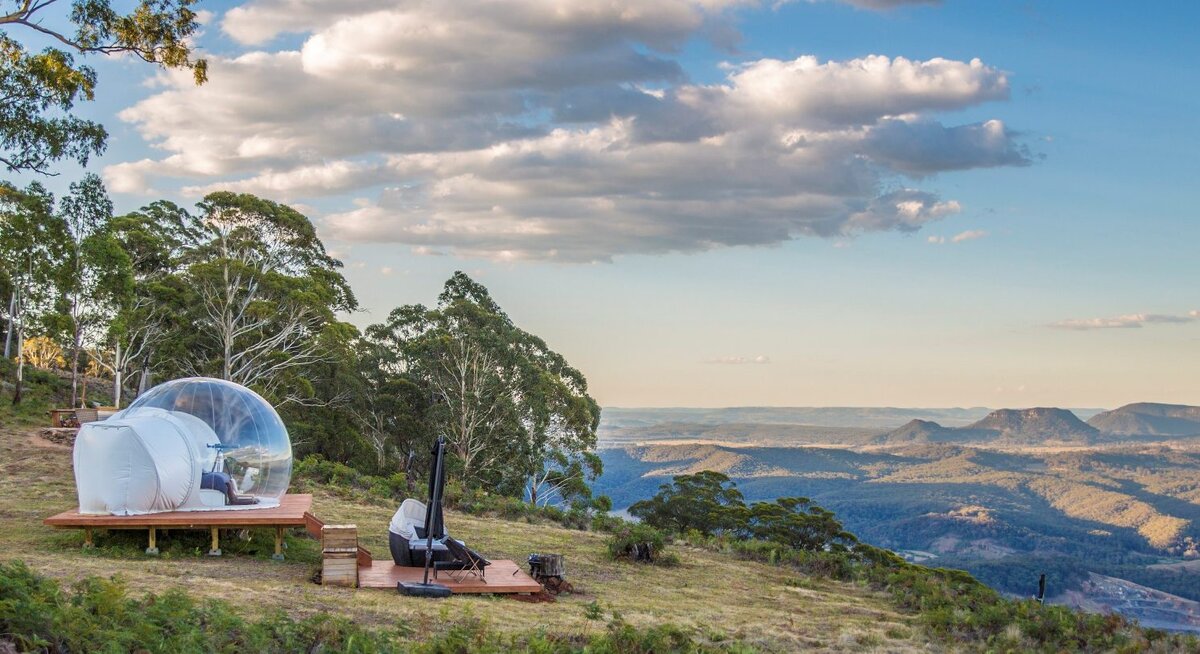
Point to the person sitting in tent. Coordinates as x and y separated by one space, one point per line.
219 480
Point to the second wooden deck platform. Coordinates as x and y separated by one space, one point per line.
503 576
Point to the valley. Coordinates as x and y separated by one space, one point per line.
1005 494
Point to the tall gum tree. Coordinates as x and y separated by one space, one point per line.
512 410
95 276
265 289
154 238
32 246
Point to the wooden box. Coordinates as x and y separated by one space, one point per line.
63 418
339 569
339 538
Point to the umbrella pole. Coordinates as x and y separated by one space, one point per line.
426 589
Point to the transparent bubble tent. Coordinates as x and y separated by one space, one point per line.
195 444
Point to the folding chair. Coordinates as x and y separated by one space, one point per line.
466 562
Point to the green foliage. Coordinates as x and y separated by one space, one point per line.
642 543
709 503
94 276
100 615
516 416
40 89
798 523
348 482
706 501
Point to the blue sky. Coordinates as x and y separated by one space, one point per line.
1072 282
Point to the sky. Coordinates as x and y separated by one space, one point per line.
727 202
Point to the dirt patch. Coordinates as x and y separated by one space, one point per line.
41 441
534 598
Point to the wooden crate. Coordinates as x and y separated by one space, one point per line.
339 569
339 538
64 418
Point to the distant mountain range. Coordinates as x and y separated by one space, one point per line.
889 426
1052 426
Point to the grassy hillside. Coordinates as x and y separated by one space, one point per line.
713 595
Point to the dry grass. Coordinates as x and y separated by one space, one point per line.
715 594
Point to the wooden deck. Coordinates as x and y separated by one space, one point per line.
289 513
502 577
293 511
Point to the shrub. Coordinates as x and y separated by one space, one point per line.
639 542
99 615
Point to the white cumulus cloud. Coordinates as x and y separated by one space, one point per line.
565 130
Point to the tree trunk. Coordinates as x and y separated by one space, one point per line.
144 380
75 370
117 367
20 364
12 312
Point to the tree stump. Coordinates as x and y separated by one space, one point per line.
549 570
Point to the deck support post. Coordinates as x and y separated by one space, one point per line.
278 555
153 549
215 550
87 538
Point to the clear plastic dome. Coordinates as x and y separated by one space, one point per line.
249 447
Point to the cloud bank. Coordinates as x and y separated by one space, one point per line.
961 237
739 360
1129 321
565 131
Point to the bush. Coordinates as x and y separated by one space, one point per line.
642 543
98 614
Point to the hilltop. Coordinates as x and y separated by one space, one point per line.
1149 419
927 431
1036 426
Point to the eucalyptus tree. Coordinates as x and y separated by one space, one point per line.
32 245
265 289
707 501
510 408
95 277
39 89
155 239
388 410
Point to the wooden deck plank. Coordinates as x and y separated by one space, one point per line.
290 513
503 576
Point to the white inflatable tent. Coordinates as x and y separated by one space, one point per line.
194 444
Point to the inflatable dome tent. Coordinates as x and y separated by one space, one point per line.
195 444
